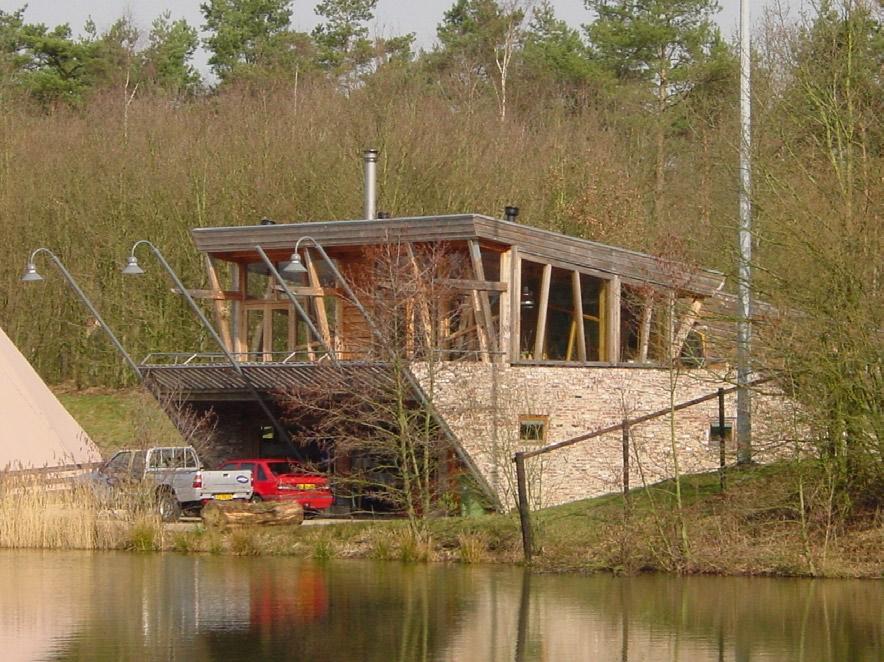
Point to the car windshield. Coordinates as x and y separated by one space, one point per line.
283 468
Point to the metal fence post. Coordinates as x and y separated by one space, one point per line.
722 461
524 514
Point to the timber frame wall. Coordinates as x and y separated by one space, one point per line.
528 295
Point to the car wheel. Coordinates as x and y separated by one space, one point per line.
256 498
168 507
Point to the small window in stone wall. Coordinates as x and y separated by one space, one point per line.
532 429
715 435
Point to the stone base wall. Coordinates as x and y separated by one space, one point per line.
482 404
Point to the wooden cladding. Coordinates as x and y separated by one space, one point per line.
489 305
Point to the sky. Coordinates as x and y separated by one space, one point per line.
392 16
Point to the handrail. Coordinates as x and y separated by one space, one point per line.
632 421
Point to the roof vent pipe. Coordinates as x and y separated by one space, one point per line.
370 160
511 213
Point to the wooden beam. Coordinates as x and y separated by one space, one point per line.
611 317
240 323
222 314
213 295
505 304
542 305
580 335
267 336
516 304
481 329
309 291
482 285
319 301
644 333
423 306
684 329
484 301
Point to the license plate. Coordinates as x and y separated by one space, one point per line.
223 497
306 486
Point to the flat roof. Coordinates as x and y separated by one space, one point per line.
237 243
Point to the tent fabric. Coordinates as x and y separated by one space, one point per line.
36 431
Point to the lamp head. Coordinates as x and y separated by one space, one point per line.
294 266
31 275
132 268
527 298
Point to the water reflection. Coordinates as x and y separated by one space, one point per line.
71 606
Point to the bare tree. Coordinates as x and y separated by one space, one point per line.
369 414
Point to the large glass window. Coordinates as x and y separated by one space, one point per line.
556 324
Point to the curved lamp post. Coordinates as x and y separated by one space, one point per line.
31 275
295 266
132 268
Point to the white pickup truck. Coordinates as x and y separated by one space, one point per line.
175 476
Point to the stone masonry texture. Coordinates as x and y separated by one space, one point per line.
483 403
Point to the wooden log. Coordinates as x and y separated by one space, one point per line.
515 305
318 303
505 309
229 514
578 328
542 304
612 320
484 301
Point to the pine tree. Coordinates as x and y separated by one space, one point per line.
664 45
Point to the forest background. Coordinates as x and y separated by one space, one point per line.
623 130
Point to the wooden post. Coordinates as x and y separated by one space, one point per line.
237 312
644 337
318 301
612 320
524 513
222 317
687 323
722 461
542 306
580 334
516 306
505 311
626 462
267 335
481 331
484 302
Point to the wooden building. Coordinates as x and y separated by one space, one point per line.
492 301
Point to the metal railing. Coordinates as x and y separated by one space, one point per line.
296 356
212 358
624 428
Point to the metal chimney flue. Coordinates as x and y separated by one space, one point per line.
370 161
511 213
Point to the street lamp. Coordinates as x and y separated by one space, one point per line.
31 275
295 266
132 268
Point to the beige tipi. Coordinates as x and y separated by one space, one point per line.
36 431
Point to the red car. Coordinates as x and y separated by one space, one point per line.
279 479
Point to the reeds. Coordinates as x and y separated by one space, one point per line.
39 514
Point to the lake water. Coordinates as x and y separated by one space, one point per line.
119 606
